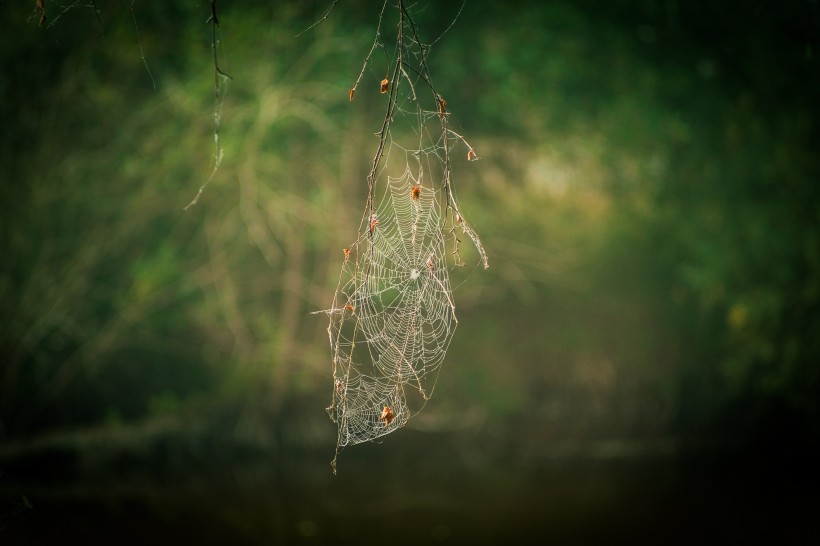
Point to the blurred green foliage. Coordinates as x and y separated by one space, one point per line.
647 194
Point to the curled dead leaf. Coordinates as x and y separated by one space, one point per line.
387 416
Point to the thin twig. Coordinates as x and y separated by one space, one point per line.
139 42
99 21
327 12
388 118
369 53
453 22
220 79
54 21
214 27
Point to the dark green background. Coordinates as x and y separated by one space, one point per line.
640 363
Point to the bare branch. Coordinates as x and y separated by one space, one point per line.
214 43
220 82
99 21
352 91
327 12
139 41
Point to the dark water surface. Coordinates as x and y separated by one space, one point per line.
165 483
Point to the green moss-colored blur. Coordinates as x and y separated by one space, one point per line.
644 347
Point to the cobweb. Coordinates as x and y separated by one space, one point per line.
393 314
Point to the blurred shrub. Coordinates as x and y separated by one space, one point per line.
648 199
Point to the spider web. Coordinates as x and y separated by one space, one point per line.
393 314
396 308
